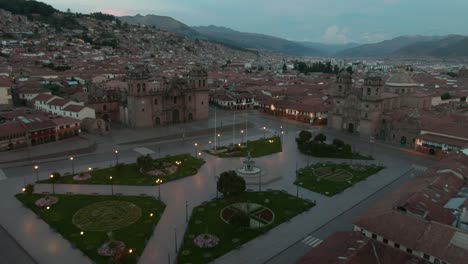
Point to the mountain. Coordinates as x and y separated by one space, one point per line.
328 49
452 46
386 47
254 40
161 22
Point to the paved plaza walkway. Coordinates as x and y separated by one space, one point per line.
47 246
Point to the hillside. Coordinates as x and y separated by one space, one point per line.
161 22
386 47
449 47
254 41
328 49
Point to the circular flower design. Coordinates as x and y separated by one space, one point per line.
47 201
109 249
206 241
83 177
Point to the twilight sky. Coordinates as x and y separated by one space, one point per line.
330 21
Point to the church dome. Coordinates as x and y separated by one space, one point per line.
401 79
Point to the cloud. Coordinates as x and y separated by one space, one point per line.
333 34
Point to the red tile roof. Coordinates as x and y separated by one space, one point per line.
11 128
74 108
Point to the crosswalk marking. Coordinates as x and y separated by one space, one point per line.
312 241
143 151
2 175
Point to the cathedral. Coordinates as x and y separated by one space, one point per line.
364 107
154 102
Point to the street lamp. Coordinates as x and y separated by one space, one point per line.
264 131
199 155
53 183
196 149
158 182
217 142
72 164
112 185
186 211
116 157
36 169
242 136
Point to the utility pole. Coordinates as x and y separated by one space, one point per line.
234 129
215 134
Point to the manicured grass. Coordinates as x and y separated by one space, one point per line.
60 215
338 155
206 219
258 148
317 179
129 174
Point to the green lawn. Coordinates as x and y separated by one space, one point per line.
311 177
338 155
206 219
257 148
128 174
60 215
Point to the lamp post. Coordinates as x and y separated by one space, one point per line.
217 142
36 170
186 211
158 182
199 155
242 137
175 239
264 132
196 149
259 182
72 159
53 183
116 157
112 185
297 183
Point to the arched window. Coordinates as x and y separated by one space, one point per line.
175 99
204 83
190 98
156 101
138 88
199 83
104 107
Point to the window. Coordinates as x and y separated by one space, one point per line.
368 91
340 88
199 83
374 236
175 99
142 109
366 115
385 241
397 245
156 101
104 107
138 88
204 83
409 250
190 98
202 103
426 257
367 106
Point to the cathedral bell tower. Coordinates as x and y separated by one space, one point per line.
343 84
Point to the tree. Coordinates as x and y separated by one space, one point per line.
304 137
285 68
145 163
445 96
55 176
320 138
338 143
350 69
29 189
230 184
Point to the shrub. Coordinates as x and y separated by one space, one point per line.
338 143
29 189
230 184
56 176
320 138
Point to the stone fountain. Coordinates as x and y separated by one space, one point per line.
253 174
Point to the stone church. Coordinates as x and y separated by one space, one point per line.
364 107
155 102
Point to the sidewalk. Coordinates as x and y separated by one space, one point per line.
67 147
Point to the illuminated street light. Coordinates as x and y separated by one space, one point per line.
116 157
159 182
112 185
36 170
72 164
53 183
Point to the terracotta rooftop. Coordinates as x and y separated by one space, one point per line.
74 108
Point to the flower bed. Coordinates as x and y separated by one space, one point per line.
266 215
83 177
206 241
109 249
47 201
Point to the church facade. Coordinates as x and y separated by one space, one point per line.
155 102
364 108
